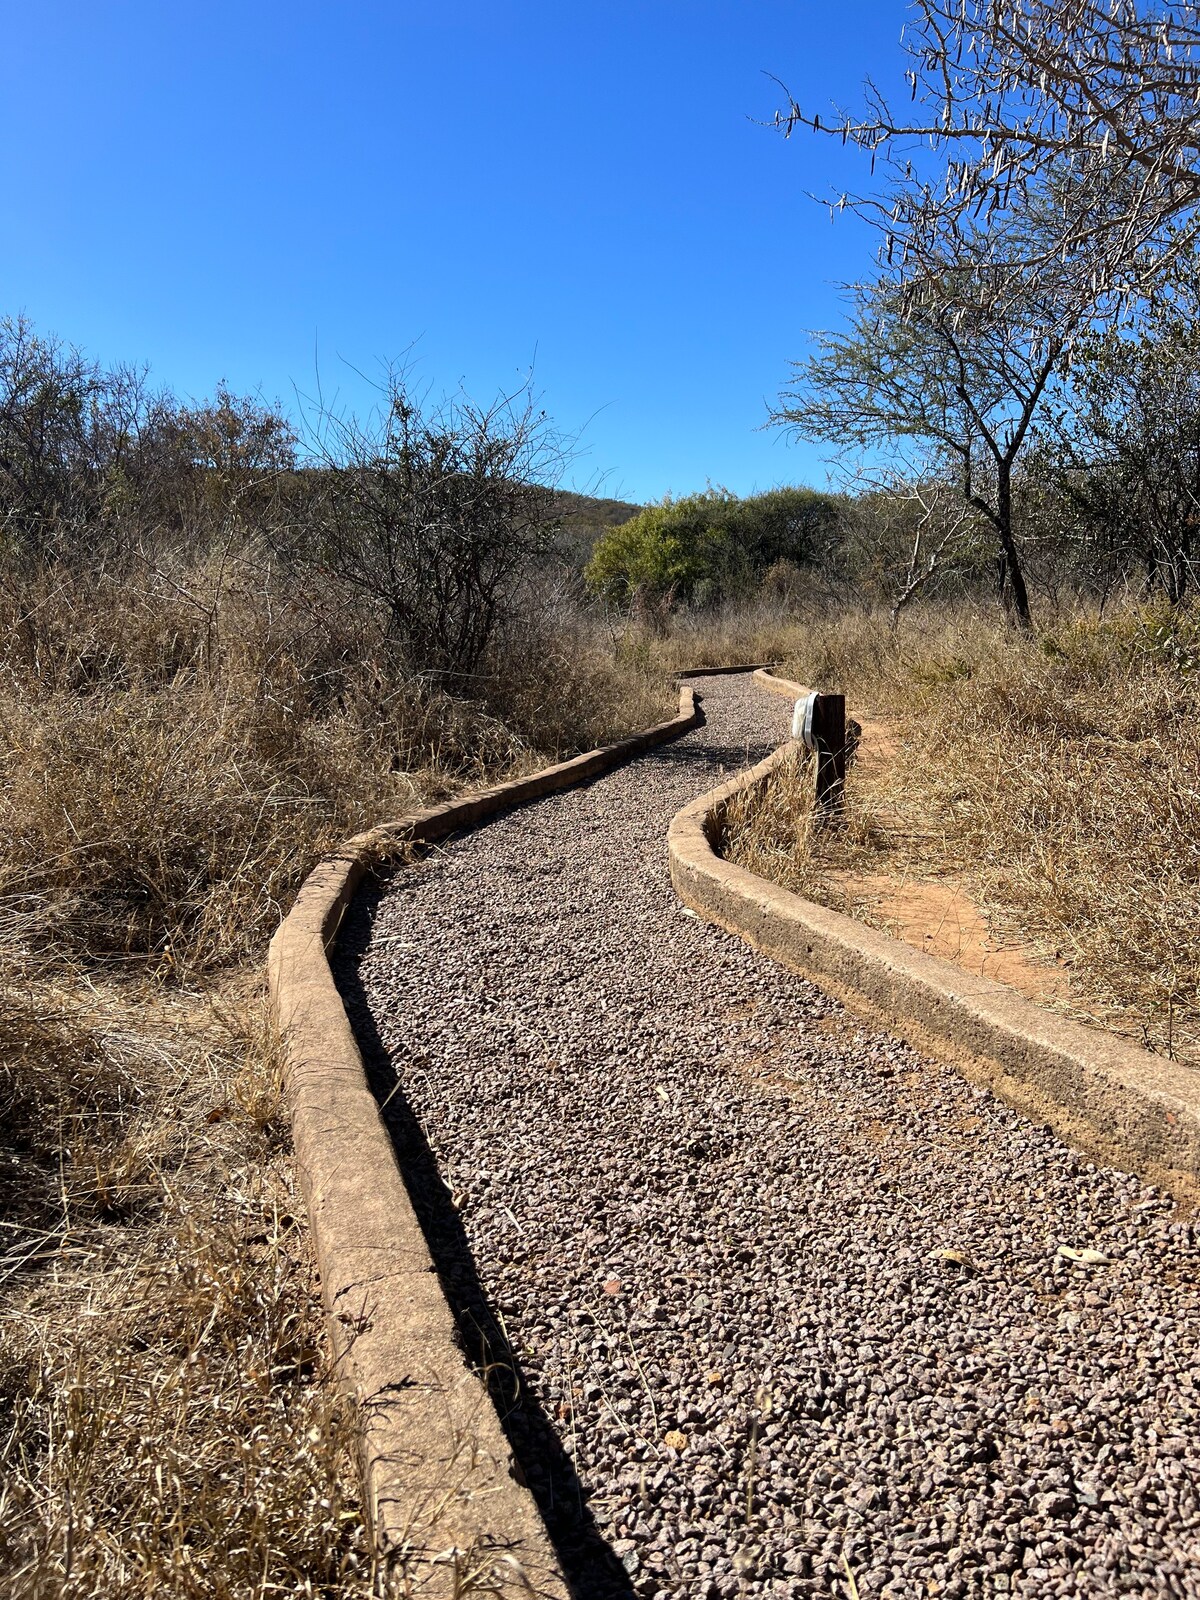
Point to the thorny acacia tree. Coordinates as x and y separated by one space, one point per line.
1009 90
433 513
952 355
918 379
1067 183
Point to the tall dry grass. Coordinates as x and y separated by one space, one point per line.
168 1427
1059 774
179 746
766 630
180 743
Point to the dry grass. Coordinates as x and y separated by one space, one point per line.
168 1429
178 748
1059 775
177 751
734 636
774 830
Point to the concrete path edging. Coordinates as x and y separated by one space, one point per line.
1121 1104
767 679
440 1486
758 668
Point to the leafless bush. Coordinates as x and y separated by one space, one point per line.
431 515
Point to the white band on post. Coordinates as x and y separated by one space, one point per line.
802 721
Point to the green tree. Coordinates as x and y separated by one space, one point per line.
786 524
704 547
676 550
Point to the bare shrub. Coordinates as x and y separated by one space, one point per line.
431 515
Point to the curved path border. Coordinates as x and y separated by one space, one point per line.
439 1481
1128 1107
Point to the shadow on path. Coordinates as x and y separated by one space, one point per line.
589 1565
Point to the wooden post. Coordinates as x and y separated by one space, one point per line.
829 738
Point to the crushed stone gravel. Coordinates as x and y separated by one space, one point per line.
770 1304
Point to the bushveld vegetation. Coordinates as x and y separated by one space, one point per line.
225 648
707 548
230 637
211 669
1020 371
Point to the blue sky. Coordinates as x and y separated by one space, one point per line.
243 191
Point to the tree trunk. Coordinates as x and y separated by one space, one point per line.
1015 594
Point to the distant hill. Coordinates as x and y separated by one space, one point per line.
585 510
584 518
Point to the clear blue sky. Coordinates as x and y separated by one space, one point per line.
226 190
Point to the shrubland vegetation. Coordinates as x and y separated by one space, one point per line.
221 651
230 637
225 646
705 549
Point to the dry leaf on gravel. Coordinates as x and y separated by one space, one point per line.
1084 1258
953 1258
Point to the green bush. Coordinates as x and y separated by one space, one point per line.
705 547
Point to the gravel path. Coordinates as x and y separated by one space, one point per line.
686 1207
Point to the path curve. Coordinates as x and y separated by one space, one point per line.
684 1209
